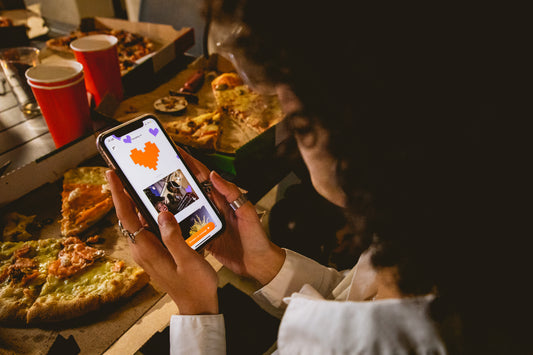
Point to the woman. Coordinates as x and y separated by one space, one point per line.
392 114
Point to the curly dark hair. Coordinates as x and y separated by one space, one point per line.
402 89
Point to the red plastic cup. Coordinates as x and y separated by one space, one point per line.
98 54
59 89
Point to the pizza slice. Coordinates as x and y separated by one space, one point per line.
86 199
52 280
23 268
201 131
82 279
243 105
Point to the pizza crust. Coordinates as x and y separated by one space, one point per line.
57 304
15 302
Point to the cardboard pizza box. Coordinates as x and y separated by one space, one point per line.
170 44
45 169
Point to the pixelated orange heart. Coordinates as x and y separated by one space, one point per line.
147 158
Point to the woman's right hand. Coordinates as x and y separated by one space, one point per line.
244 247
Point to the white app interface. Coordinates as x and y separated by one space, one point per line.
161 180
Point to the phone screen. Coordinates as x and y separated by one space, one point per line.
156 173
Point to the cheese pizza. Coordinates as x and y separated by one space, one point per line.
52 280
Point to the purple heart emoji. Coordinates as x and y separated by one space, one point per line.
127 139
154 131
115 137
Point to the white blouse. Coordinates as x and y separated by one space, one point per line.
323 311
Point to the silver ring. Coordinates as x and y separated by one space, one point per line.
241 200
127 233
207 186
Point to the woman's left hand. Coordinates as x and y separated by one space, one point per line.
179 270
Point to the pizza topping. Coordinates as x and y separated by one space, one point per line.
86 199
23 267
23 271
23 251
74 257
73 194
118 266
95 239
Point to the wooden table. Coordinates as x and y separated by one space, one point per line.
22 139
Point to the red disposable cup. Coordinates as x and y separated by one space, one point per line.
99 57
59 89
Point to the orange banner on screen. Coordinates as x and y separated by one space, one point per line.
196 237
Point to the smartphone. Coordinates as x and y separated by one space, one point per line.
155 175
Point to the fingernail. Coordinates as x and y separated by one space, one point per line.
215 175
165 218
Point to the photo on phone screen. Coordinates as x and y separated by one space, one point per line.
155 175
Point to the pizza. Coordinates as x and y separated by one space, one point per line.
130 47
85 199
201 131
52 280
243 105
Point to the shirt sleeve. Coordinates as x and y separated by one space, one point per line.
296 271
197 334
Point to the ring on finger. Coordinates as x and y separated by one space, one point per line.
238 202
207 186
127 233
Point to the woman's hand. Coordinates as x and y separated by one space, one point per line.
244 247
179 270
